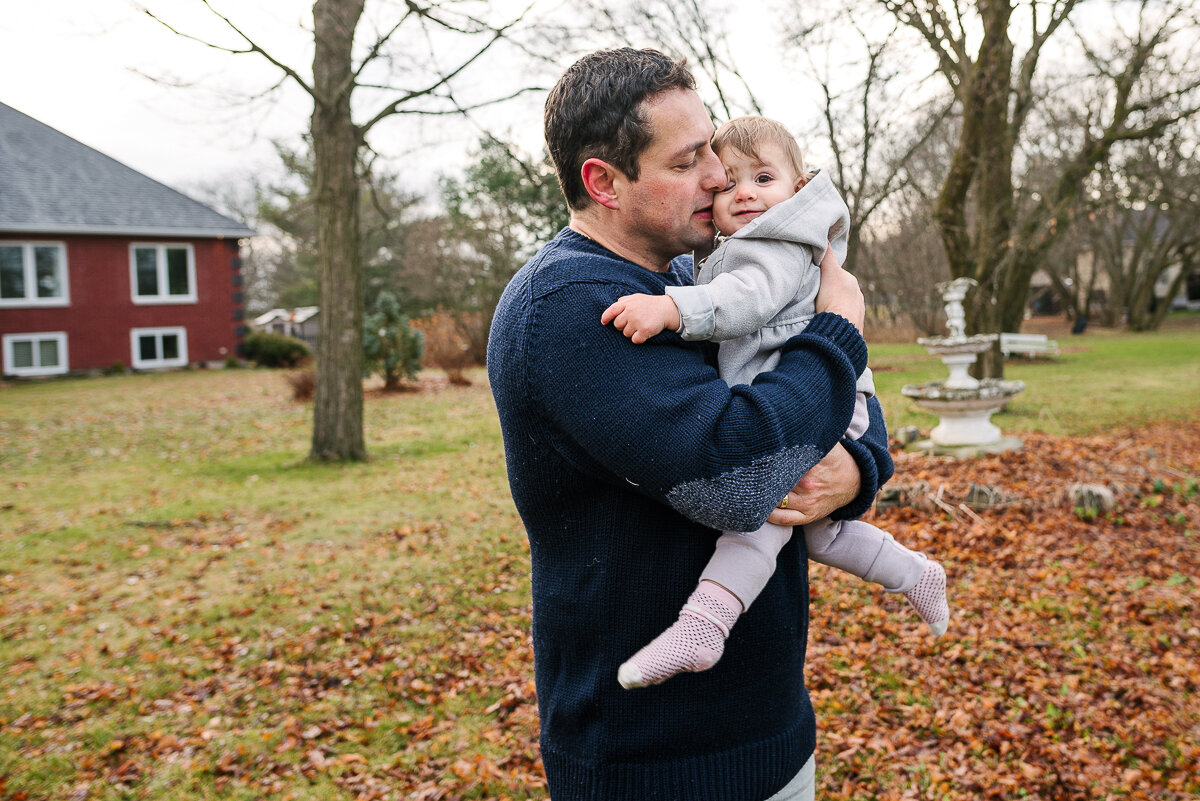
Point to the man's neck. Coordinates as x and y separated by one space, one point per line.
613 241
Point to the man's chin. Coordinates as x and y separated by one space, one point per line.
703 232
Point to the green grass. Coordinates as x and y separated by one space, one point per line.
191 610
1098 383
164 539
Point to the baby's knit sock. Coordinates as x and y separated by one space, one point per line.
928 597
693 643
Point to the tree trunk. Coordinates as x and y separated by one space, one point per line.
338 403
981 174
1185 269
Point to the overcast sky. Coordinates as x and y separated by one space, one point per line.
75 64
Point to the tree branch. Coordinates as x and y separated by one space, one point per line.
950 50
395 107
252 46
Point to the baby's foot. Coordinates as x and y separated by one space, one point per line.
693 643
929 598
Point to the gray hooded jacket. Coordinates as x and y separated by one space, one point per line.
759 287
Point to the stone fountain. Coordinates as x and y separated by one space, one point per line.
963 403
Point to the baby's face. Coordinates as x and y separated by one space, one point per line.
755 185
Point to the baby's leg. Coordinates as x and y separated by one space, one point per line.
873 554
744 561
740 567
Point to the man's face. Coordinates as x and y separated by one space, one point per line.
668 209
754 185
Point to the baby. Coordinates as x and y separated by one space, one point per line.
757 290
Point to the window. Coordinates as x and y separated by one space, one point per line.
163 274
158 347
33 274
35 354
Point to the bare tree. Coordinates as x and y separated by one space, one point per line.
880 131
400 66
1146 239
1135 229
689 29
1143 68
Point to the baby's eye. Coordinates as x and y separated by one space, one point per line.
728 186
763 178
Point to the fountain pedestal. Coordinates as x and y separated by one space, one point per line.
963 404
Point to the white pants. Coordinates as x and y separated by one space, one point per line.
744 561
801 788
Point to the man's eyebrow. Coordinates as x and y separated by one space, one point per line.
687 150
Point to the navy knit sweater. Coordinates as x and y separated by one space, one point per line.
625 461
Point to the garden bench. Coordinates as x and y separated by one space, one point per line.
1028 345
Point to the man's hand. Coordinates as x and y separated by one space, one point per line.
640 317
840 292
831 484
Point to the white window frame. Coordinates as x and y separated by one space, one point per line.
149 364
12 339
160 249
30 266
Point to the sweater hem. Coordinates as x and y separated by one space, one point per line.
745 773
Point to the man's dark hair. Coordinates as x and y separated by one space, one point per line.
594 111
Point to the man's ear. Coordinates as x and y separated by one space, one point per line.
600 180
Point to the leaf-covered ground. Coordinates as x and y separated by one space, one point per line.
1073 660
244 626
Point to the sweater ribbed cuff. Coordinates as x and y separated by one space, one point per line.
869 473
844 335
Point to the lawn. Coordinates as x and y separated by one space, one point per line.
189 610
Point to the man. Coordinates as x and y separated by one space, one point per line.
625 460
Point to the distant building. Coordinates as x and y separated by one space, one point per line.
300 323
101 265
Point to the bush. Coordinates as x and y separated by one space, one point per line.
391 347
303 383
275 350
445 346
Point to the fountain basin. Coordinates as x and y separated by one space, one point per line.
976 343
964 412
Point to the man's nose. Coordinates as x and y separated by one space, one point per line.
714 173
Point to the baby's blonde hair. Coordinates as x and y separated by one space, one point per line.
747 134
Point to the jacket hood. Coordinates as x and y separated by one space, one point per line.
815 213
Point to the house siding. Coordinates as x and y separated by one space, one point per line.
102 313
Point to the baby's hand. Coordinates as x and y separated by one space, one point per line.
640 317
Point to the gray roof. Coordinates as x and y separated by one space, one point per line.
52 184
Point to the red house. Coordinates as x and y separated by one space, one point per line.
101 266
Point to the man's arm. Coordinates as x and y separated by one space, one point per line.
657 417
